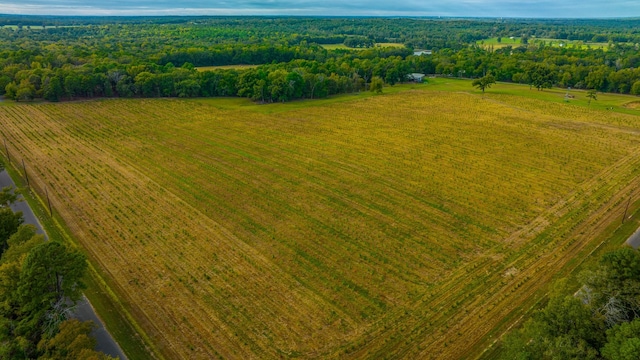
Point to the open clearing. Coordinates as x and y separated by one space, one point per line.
516 41
344 47
226 67
417 224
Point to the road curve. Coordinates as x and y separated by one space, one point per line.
634 240
83 311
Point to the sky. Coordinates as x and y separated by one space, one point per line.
466 8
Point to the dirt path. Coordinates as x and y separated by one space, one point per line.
83 311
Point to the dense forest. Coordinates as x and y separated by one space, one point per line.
58 58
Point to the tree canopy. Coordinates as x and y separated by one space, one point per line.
158 57
39 283
600 321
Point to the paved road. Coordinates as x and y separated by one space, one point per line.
84 311
634 240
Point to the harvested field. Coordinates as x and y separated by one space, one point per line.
411 225
633 105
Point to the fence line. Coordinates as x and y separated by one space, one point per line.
35 182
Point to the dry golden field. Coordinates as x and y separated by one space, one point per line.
413 225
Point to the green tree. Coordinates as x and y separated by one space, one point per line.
72 342
635 88
21 243
188 88
7 196
26 91
376 85
540 76
564 329
4 81
53 89
279 89
10 90
623 342
9 223
50 275
295 81
592 95
484 82
614 287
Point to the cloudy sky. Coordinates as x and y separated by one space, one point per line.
479 8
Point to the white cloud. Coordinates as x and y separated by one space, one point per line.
486 8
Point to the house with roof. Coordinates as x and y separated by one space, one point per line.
416 77
422 52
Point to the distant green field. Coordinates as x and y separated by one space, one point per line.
627 104
493 42
398 45
516 41
221 67
35 27
343 47
571 43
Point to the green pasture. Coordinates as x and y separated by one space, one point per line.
605 101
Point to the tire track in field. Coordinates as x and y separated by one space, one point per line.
449 293
139 181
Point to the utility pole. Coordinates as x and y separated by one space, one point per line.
624 217
25 173
6 149
48 201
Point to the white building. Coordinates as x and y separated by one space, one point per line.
422 52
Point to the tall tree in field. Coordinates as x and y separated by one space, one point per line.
484 82
592 95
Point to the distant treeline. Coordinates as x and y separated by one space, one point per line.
156 56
